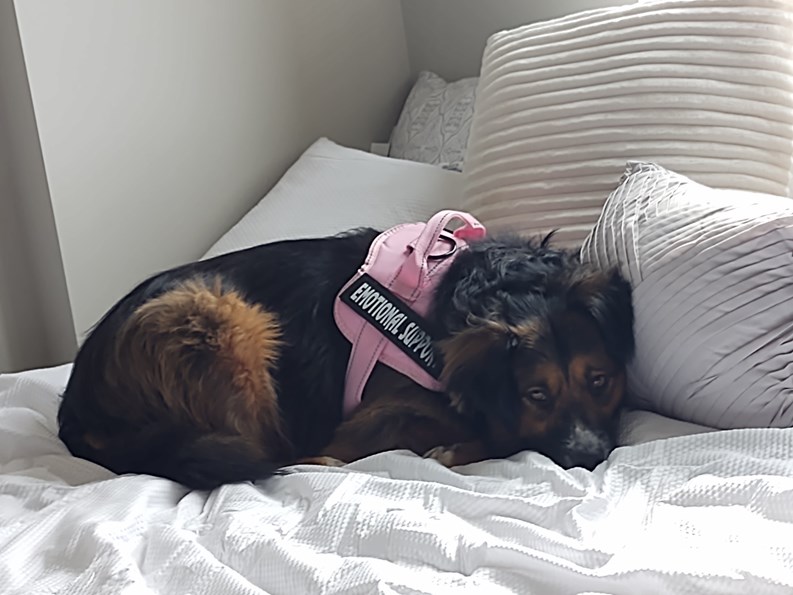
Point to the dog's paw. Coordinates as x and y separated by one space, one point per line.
324 461
445 455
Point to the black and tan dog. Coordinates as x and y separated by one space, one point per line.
232 368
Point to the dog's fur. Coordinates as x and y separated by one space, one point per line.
232 368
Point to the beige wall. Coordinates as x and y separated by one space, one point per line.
160 123
35 318
448 36
16 345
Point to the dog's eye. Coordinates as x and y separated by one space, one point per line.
536 394
598 381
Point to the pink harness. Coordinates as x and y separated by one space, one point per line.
381 309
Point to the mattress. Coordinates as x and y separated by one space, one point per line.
709 512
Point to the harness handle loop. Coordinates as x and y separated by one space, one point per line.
413 273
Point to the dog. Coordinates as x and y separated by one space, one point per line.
233 369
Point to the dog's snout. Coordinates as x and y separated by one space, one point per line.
586 447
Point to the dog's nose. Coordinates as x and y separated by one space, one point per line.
586 447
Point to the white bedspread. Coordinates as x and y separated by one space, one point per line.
709 513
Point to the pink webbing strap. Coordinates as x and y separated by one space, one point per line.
410 281
411 278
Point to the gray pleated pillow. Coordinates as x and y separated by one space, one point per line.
712 272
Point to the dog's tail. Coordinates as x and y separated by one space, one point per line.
205 462
197 461
181 388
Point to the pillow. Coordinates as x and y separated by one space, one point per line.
435 120
712 272
331 189
638 427
704 88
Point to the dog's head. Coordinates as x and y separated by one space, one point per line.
542 362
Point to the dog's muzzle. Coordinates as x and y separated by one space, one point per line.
585 446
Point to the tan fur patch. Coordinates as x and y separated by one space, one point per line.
529 334
396 413
206 355
579 365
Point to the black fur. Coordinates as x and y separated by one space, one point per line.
515 280
612 308
298 279
505 280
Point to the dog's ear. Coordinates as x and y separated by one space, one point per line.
607 297
478 372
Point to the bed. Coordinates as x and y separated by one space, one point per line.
678 507
696 513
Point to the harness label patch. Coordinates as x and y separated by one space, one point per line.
395 320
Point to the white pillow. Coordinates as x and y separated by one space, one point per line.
712 273
638 427
435 121
702 87
331 189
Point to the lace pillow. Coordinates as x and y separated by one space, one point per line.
435 120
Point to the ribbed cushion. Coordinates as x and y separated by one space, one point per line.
703 87
712 272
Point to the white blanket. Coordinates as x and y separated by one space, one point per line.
709 513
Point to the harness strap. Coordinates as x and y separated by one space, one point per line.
403 266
